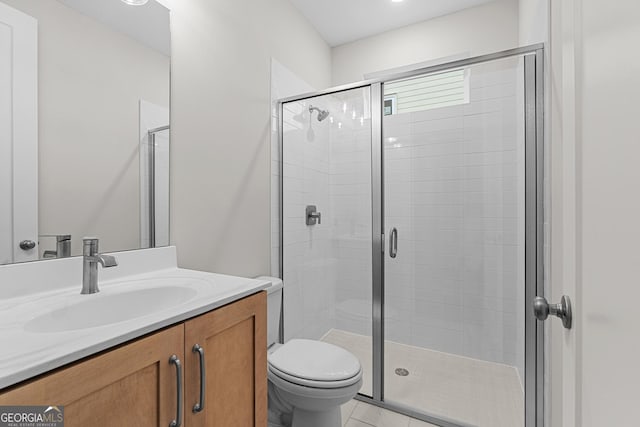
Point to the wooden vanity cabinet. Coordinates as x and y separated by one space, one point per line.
131 385
136 385
234 340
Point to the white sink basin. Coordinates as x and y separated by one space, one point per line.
104 308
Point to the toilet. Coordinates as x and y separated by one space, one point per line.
308 380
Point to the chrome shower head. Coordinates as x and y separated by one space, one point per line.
322 114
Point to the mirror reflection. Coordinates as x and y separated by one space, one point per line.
84 126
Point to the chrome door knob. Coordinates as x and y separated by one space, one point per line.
26 245
542 309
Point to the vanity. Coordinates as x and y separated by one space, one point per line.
157 346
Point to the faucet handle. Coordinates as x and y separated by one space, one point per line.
313 217
89 246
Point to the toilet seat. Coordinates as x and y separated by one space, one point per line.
315 383
315 364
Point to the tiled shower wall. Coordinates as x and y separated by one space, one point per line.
350 196
327 272
309 271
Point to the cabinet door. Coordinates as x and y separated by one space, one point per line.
133 385
234 342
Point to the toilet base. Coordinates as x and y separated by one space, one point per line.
291 405
330 418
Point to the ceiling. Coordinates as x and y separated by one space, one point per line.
149 24
343 21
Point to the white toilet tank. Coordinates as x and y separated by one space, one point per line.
274 309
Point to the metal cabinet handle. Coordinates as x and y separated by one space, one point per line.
203 378
542 309
393 243
173 360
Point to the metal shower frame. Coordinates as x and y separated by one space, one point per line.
151 140
534 236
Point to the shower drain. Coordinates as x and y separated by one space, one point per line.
402 372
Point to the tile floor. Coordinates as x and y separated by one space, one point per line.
469 391
360 414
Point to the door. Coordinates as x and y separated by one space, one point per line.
132 385
18 136
226 363
462 262
595 373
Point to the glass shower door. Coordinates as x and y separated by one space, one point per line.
326 222
454 265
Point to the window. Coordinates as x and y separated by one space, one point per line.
390 102
427 92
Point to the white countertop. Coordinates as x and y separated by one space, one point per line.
26 353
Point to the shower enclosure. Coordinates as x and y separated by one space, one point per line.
411 235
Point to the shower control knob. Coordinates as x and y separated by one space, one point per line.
542 309
26 245
312 215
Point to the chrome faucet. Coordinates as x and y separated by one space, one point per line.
63 247
90 261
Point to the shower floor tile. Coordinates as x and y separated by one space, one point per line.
464 390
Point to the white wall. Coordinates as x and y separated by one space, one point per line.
483 29
90 80
533 21
220 164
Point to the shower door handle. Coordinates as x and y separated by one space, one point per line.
393 243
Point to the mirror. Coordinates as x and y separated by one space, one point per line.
84 126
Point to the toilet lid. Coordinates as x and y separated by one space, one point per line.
315 360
